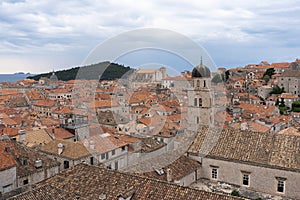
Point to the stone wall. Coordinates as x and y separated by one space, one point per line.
262 179
8 180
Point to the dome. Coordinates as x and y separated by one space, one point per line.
53 77
201 71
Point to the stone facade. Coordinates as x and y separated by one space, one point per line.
38 176
269 162
264 91
290 81
200 103
262 179
8 179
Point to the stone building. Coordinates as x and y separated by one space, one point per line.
22 166
200 99
8 170
290 81
108 150
182 171
262 162
68 153
288 99
264 91
148 75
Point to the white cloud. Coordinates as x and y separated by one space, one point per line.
31 27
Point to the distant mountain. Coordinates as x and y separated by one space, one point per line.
13 77
107 70
20 73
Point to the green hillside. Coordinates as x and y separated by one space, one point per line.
107 70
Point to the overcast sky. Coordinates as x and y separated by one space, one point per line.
38 36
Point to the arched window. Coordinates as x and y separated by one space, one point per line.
200 102
204 83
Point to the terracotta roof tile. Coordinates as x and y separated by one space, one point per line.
73 150
267 149
89 182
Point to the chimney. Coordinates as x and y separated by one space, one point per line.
86 143
38 163
92 144
60 148
169 175
102 196
22 135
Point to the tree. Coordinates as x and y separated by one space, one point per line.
270 72
296 106
266 78
218 78
235 193
109 71
277 90
282 107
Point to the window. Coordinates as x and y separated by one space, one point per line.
198 83
204 83
197 120
195 102
200 102
123 148
116 165
103 156
25 182
214 173
92 160
246 179
106 155
7 188
280 186
113 152
66 164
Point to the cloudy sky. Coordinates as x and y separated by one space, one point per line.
38 36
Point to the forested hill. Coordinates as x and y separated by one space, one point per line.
107 70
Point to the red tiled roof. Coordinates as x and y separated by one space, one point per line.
6 158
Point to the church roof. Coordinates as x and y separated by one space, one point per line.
201 71
265 149
53 77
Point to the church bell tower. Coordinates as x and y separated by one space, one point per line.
200 98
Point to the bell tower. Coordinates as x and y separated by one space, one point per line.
200 98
